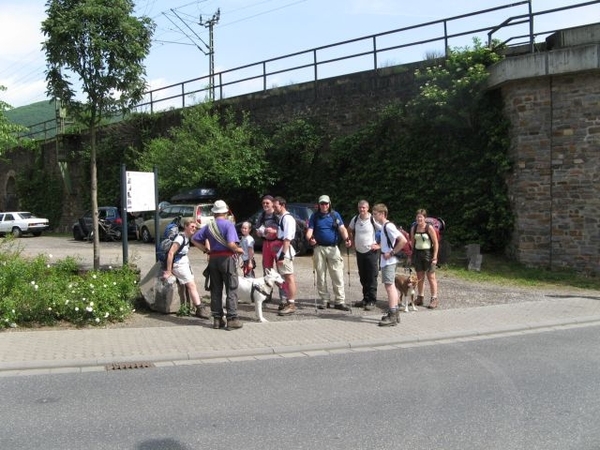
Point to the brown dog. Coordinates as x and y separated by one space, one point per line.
406 284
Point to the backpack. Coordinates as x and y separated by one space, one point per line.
294 242
437 223
168 237
407 250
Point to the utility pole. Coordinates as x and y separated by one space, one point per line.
210 23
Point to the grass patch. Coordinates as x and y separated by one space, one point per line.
500 270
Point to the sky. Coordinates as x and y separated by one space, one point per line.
249 31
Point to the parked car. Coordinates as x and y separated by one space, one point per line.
302 210
22 222
301 226
111 216
202 212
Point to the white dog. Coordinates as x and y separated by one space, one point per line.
257 290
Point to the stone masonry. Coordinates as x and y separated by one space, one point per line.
553 102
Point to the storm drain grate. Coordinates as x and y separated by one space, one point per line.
128 366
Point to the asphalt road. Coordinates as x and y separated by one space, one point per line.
536 391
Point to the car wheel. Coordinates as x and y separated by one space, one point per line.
16 232
77 234
146 236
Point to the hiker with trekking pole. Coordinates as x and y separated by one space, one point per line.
325 232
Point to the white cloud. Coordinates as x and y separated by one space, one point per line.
22 61
20 33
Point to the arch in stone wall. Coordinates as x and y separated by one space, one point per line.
10 197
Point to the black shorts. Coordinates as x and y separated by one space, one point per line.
422 260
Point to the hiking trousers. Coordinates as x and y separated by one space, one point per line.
328 259
368 270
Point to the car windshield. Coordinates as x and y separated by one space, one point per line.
26 215
207 210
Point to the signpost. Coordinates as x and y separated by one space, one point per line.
139 192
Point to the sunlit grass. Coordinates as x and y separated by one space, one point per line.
500 270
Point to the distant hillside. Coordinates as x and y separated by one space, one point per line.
32 114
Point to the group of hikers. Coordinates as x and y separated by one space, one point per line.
378 245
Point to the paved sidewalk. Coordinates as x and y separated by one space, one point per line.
57 351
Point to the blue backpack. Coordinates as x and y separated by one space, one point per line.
168 237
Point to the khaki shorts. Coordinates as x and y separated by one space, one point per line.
285 267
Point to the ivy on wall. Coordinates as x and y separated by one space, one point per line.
445 150
41 191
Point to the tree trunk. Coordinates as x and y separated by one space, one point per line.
94 193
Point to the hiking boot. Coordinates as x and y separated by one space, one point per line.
391 319
290 308
219 322
324 305
419 300
433 303
370 306
203 312
282 306
361 304
234 324
342 307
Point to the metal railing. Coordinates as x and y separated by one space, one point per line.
356 55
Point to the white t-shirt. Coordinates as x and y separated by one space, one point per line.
288 223
392 232
181 256
364 233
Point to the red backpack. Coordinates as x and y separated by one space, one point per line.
437 223
407 250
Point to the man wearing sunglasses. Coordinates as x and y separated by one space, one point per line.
325 232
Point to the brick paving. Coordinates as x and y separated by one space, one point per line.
468 311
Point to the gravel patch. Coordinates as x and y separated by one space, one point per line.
453 292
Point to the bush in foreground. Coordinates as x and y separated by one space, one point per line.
40 291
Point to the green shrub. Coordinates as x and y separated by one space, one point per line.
39 292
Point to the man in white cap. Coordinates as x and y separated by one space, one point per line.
325 231
222 265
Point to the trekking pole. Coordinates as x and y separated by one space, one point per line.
348 261
315 288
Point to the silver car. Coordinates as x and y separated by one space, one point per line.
202 212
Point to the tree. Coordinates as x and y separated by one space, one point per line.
209 149
104 45
8 130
